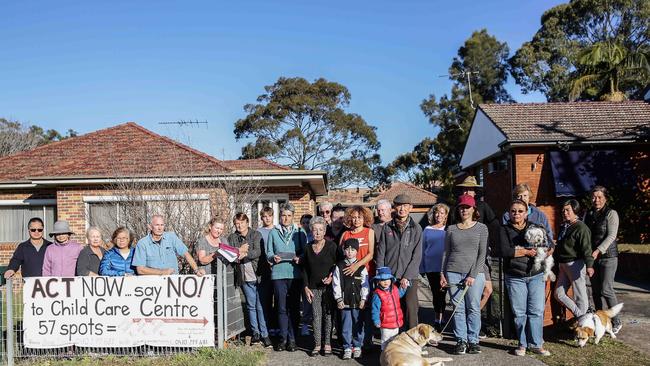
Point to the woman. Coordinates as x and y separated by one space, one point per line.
433 247
92 254
117 261
358 219
320 256
573 253
463 259
207 246
523 192
526 286
602 221
286 244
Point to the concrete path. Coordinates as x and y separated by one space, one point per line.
635 314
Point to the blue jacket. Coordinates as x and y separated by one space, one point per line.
535 216
376 301
113 264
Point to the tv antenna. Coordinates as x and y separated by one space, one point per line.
184 122
468 75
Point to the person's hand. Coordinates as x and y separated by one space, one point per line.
469 281
128 274
277 259
327 280
244 247
200 272
590 272
242 255
549 252
362 304
309 295
296 260
595 253
403 283
531 252
167 271
340 305
377 325
349 270
443 281
9 273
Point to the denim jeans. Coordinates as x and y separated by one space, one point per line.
287 296
527 298
467 318
352 328
254 307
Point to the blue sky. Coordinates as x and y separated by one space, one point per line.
87 65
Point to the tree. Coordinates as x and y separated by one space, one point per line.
305 126
436 159
16 137
551 62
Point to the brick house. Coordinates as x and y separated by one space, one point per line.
75 180
561 150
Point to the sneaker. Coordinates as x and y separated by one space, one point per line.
256 339
280 347
482 335
347 354
266 342
616 327
521 351
461 348
291 346
314 352
327 350
540 351
356 353
474 349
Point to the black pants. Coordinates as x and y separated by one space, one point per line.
437 293
410 304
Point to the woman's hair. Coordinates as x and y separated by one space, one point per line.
211 223
574 204
602 190
520 188
240 216
93 228
431 214
475 216
364 212
266 210
317 220
287 207
120 230
517 201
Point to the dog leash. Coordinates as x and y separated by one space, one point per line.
462 296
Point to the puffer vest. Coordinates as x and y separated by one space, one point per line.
597 223
390 313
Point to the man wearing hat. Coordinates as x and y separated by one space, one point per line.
61 256
400 248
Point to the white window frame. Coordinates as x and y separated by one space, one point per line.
273 199
45 202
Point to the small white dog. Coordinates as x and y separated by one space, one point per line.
536 238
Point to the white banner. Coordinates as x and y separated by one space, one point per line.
174 311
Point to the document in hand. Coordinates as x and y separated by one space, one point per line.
286 256
229 253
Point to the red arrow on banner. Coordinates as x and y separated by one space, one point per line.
172 320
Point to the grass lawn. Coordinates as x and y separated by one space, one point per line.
634 248
237 356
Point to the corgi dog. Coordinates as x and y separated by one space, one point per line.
595 325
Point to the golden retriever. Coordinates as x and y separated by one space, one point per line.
405 349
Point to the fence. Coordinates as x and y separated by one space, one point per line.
228 312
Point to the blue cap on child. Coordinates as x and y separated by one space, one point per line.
384 273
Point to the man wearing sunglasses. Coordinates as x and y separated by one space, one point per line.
30 253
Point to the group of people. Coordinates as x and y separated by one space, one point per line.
348 271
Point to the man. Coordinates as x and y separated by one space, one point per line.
29 254
400 248
156 253
336 227
469 186
60 258
384 215
325 211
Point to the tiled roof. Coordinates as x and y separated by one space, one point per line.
253 164
419 196
573 121
124 150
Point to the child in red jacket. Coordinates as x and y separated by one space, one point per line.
386 310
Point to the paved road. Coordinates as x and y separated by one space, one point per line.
635 314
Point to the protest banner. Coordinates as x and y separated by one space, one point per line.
173 311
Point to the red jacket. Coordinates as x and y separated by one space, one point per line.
390 311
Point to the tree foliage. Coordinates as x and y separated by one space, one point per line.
435 160
305 126
556 61
16 137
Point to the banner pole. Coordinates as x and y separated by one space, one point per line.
10 321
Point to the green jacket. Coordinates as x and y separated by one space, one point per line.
574 242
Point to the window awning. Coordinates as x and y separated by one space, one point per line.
577 172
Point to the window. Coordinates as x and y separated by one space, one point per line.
14 216
498 165
273 201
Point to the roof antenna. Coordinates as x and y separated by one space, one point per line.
469 82
184 122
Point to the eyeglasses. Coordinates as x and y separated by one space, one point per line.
326 211
35 230
517 211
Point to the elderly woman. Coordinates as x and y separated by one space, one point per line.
463 259
92 254
573 253
433 248
117 261
526 286
602 220
285 247
523 192
207 246
319 258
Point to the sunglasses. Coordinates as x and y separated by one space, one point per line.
35 230
517 211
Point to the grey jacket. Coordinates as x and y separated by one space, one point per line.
402 252
254 240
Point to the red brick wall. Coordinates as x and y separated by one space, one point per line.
497 190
